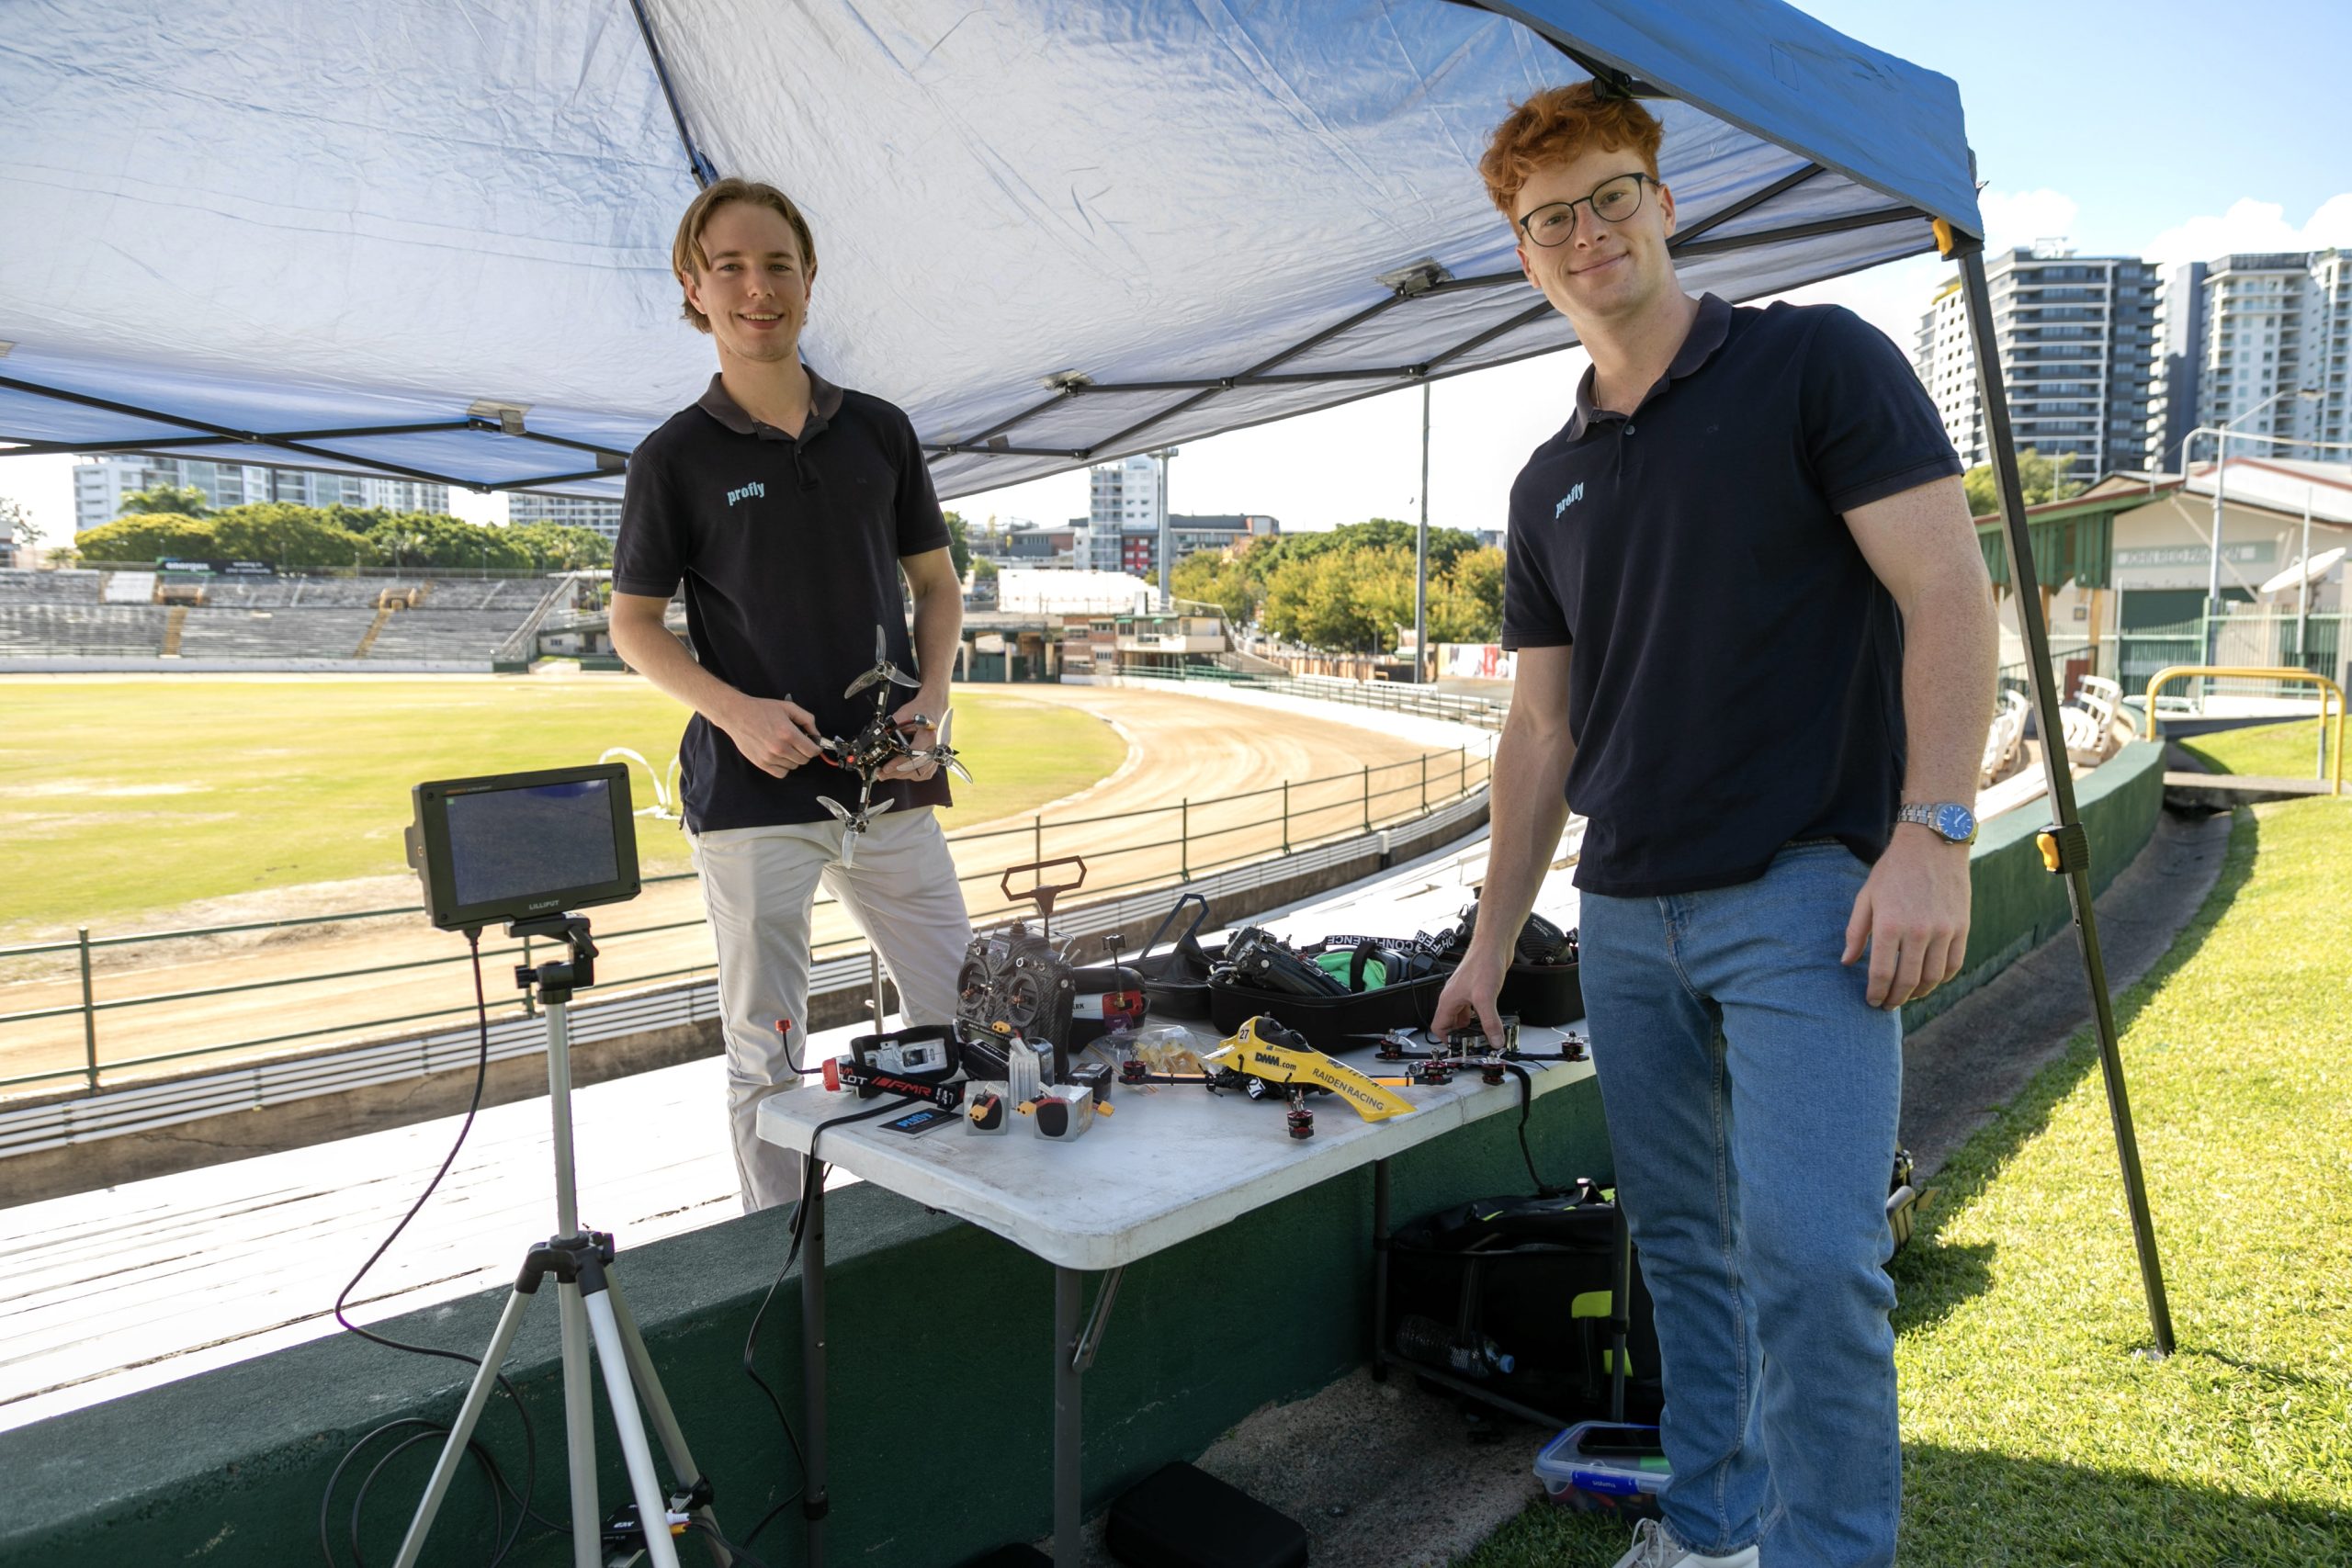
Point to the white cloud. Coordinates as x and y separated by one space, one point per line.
2021 217
2251 225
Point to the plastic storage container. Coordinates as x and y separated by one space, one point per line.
1601 1484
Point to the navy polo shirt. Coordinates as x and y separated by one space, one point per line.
789 552
1737 679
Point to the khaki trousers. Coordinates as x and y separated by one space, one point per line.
758 885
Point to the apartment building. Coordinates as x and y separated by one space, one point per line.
573 511
101 482
2076 335
2259 328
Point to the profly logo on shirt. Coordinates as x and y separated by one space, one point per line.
754 488
1569 500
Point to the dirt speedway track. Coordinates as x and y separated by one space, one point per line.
1197 766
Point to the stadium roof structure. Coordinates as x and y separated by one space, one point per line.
431 237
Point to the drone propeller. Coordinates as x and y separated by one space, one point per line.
883 669
942 752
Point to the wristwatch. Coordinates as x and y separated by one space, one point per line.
1948 821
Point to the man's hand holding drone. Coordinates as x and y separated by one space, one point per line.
916 723
900 744
776 735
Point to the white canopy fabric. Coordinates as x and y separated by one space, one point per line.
431 237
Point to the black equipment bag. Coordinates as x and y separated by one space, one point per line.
1176 983
1179 1516
1535 1277
1542 986
1263 976
1106 996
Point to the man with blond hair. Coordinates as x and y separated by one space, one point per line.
789 508
1755 651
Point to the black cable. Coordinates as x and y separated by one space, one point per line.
812 1182
501 1488
482 1076
1526 1104
738 1552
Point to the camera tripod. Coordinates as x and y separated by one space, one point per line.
588 1306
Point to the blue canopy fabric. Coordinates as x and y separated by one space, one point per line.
431 237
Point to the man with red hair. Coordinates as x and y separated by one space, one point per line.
1755 651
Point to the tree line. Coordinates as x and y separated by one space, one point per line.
174 520
1351 588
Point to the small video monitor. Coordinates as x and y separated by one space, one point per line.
522 846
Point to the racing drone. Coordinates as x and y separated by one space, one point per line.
880 743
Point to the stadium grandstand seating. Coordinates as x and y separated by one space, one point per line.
274 634
21 586
445 634
460 621
83 631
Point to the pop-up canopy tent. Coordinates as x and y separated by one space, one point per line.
431 237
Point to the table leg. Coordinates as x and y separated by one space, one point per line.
1380 1271
1068 1443
815 1503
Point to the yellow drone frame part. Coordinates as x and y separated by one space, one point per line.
1249 1051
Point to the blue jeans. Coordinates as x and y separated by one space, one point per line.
1752 1095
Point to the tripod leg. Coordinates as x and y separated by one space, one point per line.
612 1357
461 1430
580 1429
658 1410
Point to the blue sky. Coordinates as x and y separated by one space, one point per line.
2169 130
2146 114
2161 129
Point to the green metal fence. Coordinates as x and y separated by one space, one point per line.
2248 639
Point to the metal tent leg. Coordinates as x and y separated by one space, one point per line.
2065 845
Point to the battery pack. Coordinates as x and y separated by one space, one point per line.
1181 1516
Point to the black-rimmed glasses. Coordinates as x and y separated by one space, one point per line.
1613 200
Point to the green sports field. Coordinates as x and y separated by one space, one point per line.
120 799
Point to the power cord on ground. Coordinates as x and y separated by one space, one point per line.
501 1488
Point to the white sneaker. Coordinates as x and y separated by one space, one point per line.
1655 1547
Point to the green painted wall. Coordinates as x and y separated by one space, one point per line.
2018 905
940 1333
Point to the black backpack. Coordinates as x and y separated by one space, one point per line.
1531 1278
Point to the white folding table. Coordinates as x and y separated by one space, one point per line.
1169 1164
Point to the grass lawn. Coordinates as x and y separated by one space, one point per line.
121 797
2032 1434
2268 751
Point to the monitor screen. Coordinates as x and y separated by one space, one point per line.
514 843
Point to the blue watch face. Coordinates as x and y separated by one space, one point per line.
1956 823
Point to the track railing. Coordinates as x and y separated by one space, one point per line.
1206 835
2328 690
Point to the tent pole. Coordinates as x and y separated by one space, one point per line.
1421 555
2065 847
